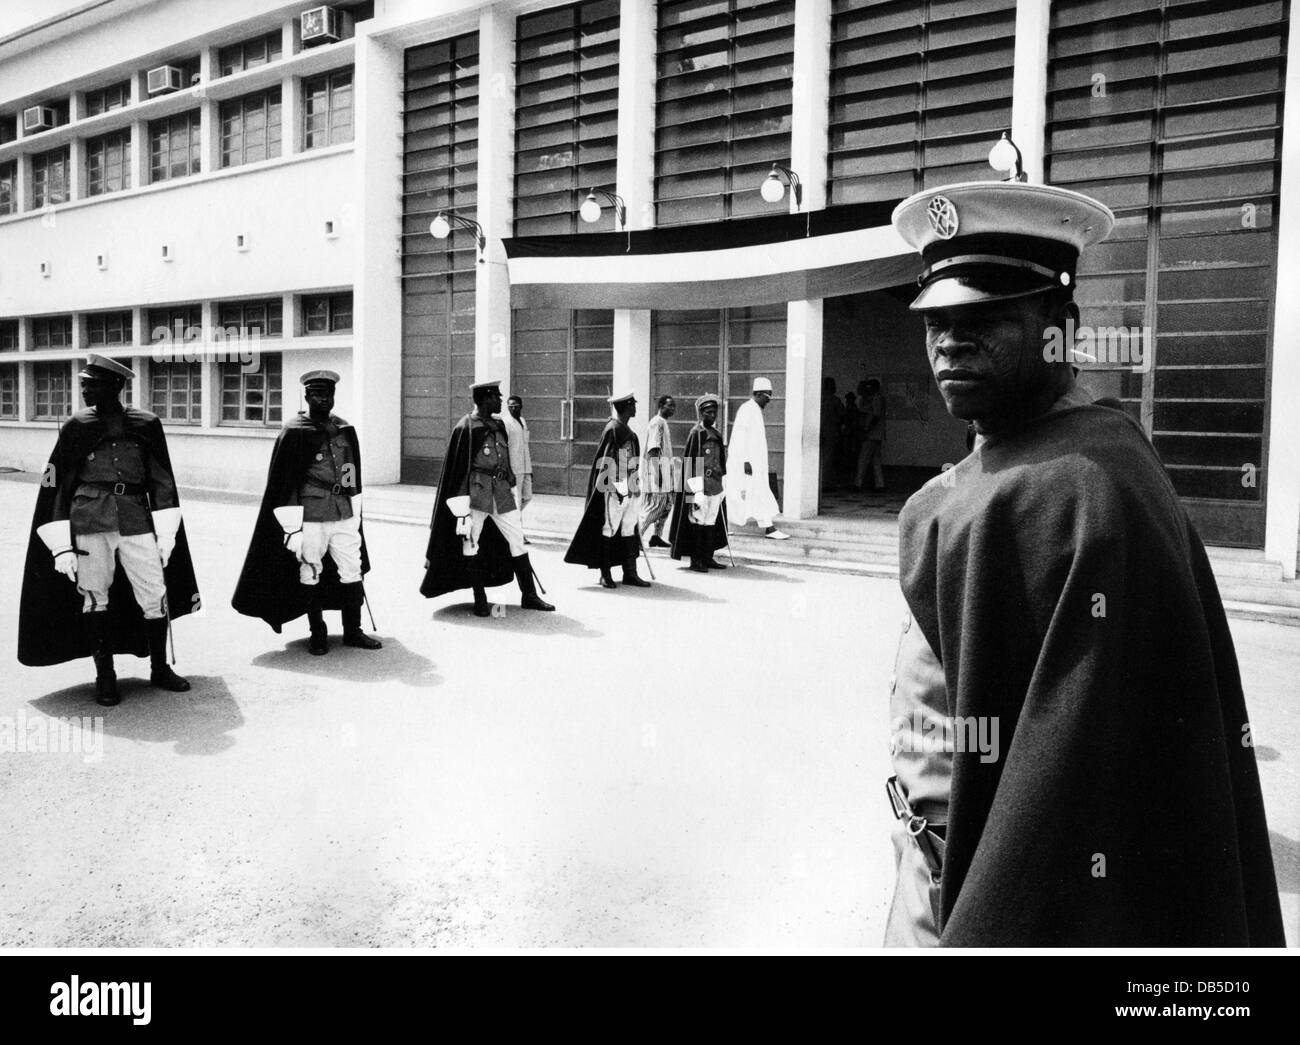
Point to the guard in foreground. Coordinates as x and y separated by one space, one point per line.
1065 638
607 532
108 564
475 537
308 552
699 525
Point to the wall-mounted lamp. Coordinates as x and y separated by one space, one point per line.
1005 156
590 210
441 226
773 187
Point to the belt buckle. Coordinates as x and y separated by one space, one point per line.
336 489
119 489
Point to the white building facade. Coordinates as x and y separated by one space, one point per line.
210 168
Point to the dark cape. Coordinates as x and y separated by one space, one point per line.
268 584
683 533
49 615
617 443
448 569
1124 807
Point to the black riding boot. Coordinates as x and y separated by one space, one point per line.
160 672
353 596
607 561
631 548
106 694
524 575
482 608
319 644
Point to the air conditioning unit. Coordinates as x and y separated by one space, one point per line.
164 79
38 118
324 25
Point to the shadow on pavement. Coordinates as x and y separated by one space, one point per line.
658 591
394 662
1286 861
743 572
198 722
515 618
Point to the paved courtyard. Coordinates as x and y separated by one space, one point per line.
699 765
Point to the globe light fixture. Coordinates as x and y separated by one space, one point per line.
591 209
1005 156
773 188
445 221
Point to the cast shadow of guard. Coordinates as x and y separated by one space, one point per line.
657 592
394 663
198 722
514 618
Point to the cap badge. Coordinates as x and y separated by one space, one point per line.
943 217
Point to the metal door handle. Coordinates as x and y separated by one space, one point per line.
573 403
563 404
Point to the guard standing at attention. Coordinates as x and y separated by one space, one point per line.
607 533
108 564
700 524
308 551
475 537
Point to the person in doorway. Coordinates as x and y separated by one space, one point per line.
749 491
832 417
870 459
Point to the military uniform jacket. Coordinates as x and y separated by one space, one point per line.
1056 576
49 616
618 448
268 584
447 568
704 455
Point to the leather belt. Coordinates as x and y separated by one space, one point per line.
336 488
929 839
496 473
117 489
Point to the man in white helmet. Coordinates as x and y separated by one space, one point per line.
749 495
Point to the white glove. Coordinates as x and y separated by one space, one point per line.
57 537
166 524
293 542
66 563
464 526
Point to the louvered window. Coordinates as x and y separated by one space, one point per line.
1171 113
920 91
724 102
438 276
566 116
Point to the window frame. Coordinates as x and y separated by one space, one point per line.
192 392
270 108
325 84
120 138
41 177
333 308
42 372
272 392
161 133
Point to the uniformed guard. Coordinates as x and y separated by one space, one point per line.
607 532
108 520
475 537
308 551
1066 706
702 530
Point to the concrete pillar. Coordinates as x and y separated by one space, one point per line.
635 180
210 402
810 119
139 153
1282 480
76 187
803 375
496 162
374 226
22 185
209 136
803 354
291 114
1029 85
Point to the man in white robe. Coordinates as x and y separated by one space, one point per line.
748 494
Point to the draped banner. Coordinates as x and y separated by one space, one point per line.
755 261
